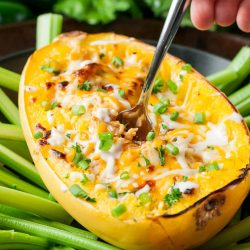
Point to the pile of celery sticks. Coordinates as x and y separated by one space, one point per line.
30 218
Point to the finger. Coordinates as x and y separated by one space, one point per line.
202 13
243 16
226 11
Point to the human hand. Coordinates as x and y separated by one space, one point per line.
223 12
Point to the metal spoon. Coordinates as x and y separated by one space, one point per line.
137 116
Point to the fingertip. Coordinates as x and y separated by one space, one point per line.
243 16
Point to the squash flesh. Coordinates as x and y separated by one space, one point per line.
194 92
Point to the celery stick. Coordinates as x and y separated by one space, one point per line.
20 246
244 246
48 27
236 218
240 95
20 165
6 170
61 248
223 77
247 119
231 234
8 108
9 79
16 183
244 107
34 204
10 236
19 147
11 132
53 234
14 212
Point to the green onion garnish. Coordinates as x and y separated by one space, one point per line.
106 141
173 197
83 164
209 167
174 116
101 90
172 149
54 105
144 198
150 136
85 86
78 155
164 126
200 118
84 179
38 135
48 68
161 152
118 210
158 86
147 161
172 86
184 178
78 110
77 191
113 194
162 106
121 92
124 175
187 67
117 61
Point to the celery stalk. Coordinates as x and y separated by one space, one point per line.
20 246
247 119
9 79
223 77
240 95
53 234
244 107
11 132
231 234
34 204
8 108
48 27
16 183
20 165
14 212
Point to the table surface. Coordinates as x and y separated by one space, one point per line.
20 36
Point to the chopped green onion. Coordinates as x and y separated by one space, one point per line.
106 141
174 116
48 68
47 28
78 154
212 166
202 168
68 135
85 86
172 86
158 86
78 192
172 149
144 198
164 126
101 90
162 106
184 178
84 179
38 135
187 67
161 152
150 136
173 197
200 118
147 161
124 175
83 164
54 105
113 194
121 92
118 210
78 110
9 79
117 61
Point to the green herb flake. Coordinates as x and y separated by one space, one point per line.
117 61
47 67
78 192
172 86
173 197
121 93
38 135
187 67
174 116
85 86
162 106
202 168
54 105
212 166
78 154
158 86
78 110
150 136
101 90
118 210
68 135
184 178
124 175
84 163
113 194
200 118
144 198
164 126
106 141
147 161
84 179
172 149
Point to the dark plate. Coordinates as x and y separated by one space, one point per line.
204 62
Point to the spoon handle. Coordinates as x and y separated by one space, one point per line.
171 25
